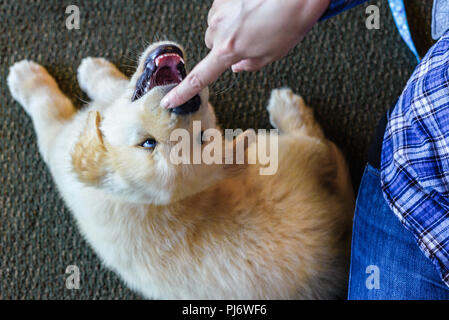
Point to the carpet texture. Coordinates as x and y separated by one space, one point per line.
349 75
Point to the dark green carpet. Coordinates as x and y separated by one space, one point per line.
348 74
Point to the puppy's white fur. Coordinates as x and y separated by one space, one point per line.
192 231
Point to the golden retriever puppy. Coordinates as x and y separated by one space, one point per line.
192 230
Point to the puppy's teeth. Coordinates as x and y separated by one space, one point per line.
158 59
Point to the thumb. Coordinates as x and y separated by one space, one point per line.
203 74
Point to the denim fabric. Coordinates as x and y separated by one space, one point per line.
382 247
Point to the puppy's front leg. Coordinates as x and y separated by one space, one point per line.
38 93
289 114
100 79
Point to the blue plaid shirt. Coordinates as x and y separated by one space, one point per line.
415 156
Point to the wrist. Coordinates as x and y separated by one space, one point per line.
316 8
309 11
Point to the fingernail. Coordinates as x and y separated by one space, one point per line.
235 69
165 103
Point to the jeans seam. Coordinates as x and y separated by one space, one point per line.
368 168
372 170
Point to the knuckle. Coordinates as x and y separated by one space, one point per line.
229 45
207 39
195 82
213 22
176 97
227 49
208 43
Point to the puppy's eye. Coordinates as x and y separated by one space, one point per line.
149 144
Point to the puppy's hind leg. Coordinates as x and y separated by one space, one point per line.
38 93
101 80
289 114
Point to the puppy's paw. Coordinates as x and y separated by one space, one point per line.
289 113
286 110
91 70
25 79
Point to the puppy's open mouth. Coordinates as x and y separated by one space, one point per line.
165 66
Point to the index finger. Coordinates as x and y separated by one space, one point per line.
203 74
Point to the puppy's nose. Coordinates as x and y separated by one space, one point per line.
190 106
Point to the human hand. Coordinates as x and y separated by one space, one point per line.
247 35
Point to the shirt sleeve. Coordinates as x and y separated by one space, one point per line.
337 6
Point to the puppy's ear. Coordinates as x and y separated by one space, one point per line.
88 156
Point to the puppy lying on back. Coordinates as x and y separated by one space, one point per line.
196 231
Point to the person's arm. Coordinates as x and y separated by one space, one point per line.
338 6
249 34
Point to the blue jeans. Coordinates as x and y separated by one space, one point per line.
386 262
